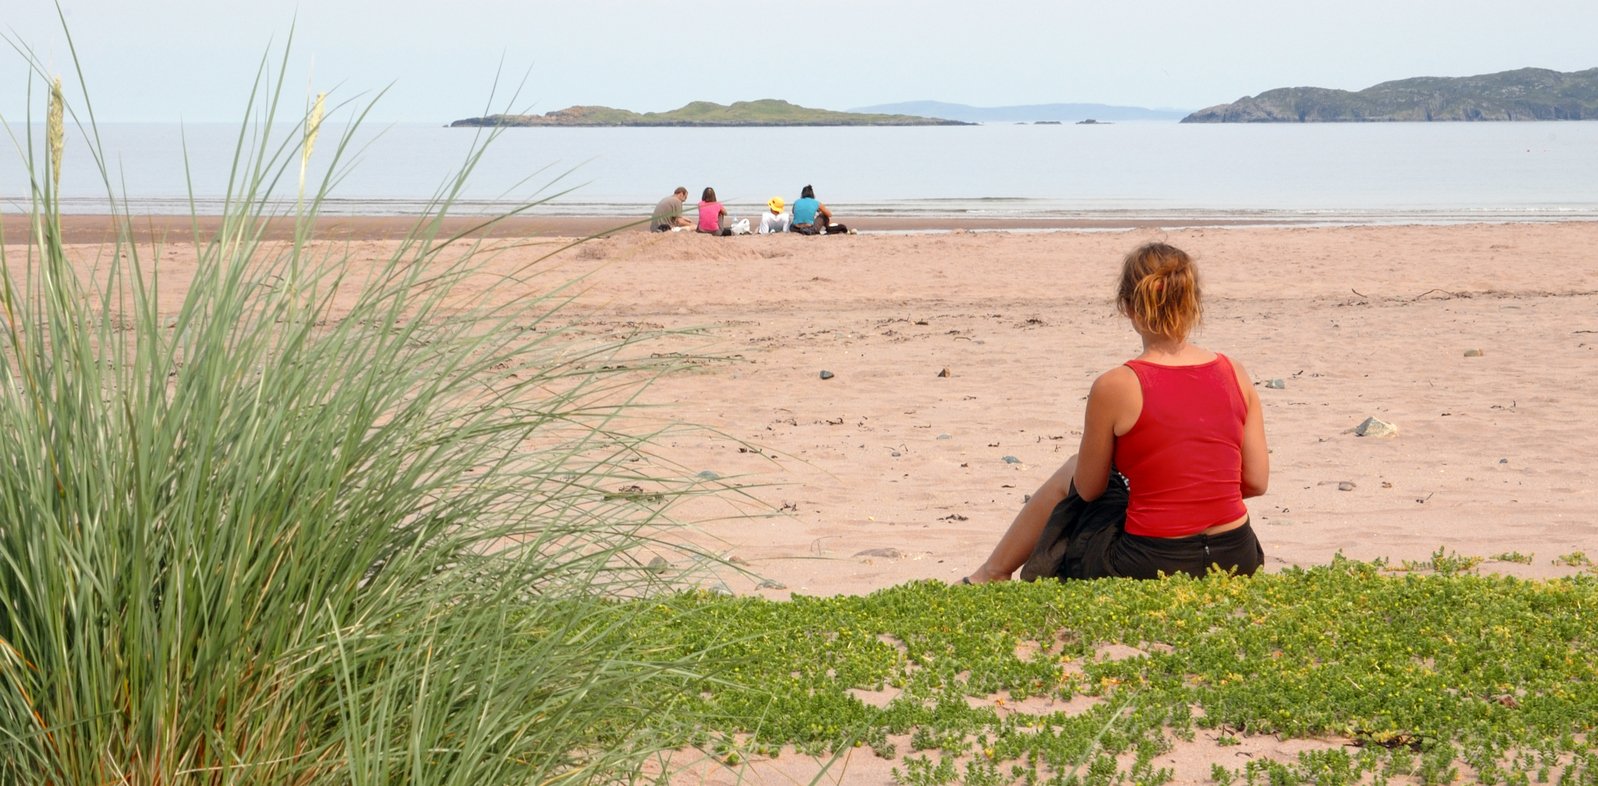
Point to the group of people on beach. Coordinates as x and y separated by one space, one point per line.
809 216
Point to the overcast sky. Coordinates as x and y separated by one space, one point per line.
193 60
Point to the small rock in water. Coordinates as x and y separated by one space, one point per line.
887 553
1011 460
658 565
1346 485
771 584
708 475
1373 427
944 373
1473 353
1276 384
826 374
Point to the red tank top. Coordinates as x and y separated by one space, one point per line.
1183 458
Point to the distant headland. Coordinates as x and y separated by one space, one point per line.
1522 94
766 112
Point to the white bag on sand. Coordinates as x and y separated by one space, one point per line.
740 227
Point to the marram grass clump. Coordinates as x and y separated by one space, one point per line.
307 522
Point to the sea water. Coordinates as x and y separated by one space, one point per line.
1327 173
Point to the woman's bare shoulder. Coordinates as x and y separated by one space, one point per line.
1116 380
1245 383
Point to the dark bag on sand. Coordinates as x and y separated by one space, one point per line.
812 229
1077 538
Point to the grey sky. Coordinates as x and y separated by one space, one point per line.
163 60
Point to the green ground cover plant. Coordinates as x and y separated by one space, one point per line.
260 534
1421 678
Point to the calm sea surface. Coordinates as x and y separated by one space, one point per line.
1333 173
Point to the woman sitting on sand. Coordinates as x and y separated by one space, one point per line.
712 214
810 217
1172 443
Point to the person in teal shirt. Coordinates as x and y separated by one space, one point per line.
810 217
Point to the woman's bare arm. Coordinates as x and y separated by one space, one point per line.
1113 405
1256 455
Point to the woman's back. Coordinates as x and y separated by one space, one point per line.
805 210
1182 457
710 216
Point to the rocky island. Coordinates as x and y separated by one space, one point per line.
1523 94
766 112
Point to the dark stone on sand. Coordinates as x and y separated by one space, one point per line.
708 475
1276 384
1011 460
826 374
1346 485
1473 353
944 373
658 565
771 584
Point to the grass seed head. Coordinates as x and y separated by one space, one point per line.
313 125
56 132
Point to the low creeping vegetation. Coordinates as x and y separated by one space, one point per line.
1420 678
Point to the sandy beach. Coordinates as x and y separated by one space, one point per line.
958 363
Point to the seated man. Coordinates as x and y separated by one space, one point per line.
668 215
774 220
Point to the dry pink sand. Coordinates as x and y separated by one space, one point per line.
1495 453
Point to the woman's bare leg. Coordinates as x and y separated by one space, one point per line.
1021 538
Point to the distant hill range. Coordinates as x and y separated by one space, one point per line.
1523 94
766 112
1030 113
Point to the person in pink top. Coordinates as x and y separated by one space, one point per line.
1173 441
712 214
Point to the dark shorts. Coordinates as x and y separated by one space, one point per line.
1088 540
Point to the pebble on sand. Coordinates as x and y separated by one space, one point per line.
1276 384
1473 353
825 374
1373 427
1011 460
945 373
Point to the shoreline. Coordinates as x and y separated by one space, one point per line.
101 229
